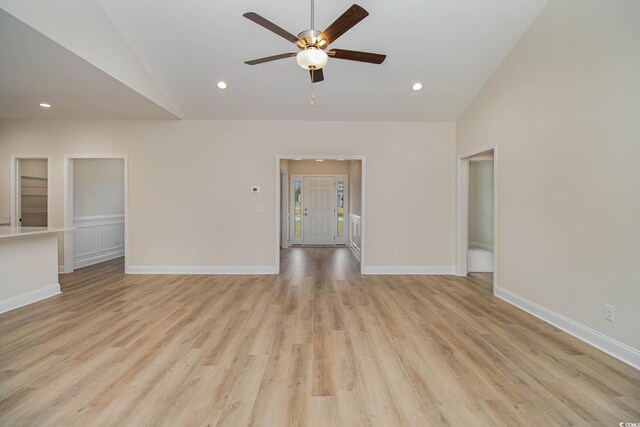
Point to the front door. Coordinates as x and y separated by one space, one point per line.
319 210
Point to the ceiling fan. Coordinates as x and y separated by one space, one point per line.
313 55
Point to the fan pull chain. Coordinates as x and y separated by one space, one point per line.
312 95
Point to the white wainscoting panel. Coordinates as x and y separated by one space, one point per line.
355 234
97 239
85 240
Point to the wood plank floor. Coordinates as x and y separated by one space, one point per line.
316 345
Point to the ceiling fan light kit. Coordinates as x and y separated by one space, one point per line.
312 58
313 55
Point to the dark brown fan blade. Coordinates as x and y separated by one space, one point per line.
252 16
351 17
316 75
269 58
354 55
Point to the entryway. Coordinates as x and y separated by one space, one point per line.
477 217
319 210
96 207
480 248
321 202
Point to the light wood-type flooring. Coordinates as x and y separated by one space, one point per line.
315 345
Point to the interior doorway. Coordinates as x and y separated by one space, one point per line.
30 191
480 247
95 205
325 203
477 214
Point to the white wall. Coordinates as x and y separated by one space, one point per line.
33 167
189 183
284 165
313 167
103 45
27 279
355 187
564 110
481 203
98 187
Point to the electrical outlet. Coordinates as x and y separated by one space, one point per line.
396 254
192 253
608 312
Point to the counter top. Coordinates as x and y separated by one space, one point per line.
16 232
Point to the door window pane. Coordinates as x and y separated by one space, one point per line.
297 208
340 209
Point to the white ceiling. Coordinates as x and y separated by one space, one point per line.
451 46
35 69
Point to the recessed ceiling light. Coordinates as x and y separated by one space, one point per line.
44 105
222 85
297 159
416 86
341 160
319 160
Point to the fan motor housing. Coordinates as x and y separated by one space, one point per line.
311 38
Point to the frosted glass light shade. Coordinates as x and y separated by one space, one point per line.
312 58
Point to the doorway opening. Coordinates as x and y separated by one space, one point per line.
30 191
477 215
480 248
95 205
320 203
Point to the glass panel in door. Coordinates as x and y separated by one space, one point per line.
297 208
340 210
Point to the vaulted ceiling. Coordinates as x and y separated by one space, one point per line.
162 58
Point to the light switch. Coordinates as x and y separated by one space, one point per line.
258 208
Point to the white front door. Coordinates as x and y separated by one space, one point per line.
319 203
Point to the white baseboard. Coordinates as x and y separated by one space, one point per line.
60 269
409 270
29 298
95 259
481 246
617 349
201 269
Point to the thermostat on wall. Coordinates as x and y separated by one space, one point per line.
255 188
